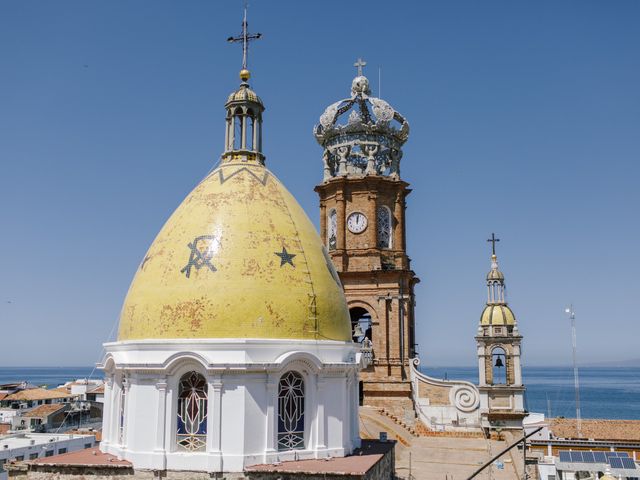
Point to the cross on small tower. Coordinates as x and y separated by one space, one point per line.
359 64
493 241
245 37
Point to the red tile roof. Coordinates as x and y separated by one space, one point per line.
36 394
44 410
99 389
621 430
88 457
357 464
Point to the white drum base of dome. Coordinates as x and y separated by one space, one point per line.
242 380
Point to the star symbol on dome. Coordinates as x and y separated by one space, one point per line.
285 257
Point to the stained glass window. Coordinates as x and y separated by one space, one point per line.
291 412
332 230
192 412
384 227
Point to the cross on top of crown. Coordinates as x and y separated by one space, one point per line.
359 64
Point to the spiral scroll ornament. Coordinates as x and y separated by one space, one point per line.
466 398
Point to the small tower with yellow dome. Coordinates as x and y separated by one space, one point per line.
499 347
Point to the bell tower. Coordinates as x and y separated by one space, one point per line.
499 343
362 222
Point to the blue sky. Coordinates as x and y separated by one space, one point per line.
525 121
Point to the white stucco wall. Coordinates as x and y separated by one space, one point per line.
242 404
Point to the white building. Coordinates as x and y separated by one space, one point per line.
86 389
29 446
234 346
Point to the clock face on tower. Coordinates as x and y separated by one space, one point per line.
357 222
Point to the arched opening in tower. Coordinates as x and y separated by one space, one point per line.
499 365
361 328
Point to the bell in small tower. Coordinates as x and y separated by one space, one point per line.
499 362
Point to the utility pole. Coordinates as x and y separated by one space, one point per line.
572 315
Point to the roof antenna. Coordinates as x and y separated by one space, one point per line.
379 81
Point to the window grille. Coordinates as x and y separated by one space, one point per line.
192 412
384 227
332 231
291 412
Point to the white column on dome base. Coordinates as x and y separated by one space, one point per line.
345 407
161 387
108 411
321 388
125 413
271 387
114 420
353 410
214 423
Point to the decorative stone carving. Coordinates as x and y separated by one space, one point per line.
327 118
465 398
445 404
382 110
361 123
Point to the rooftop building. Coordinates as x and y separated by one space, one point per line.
31 446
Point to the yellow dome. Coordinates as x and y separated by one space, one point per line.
243 94
495 275
239 258
497 315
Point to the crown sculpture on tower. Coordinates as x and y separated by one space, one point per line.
361 135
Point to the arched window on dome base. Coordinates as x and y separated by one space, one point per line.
291 409
191 434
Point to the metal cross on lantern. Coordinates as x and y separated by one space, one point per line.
493 241
245 37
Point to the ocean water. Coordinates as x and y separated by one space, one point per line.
604 392
46 376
